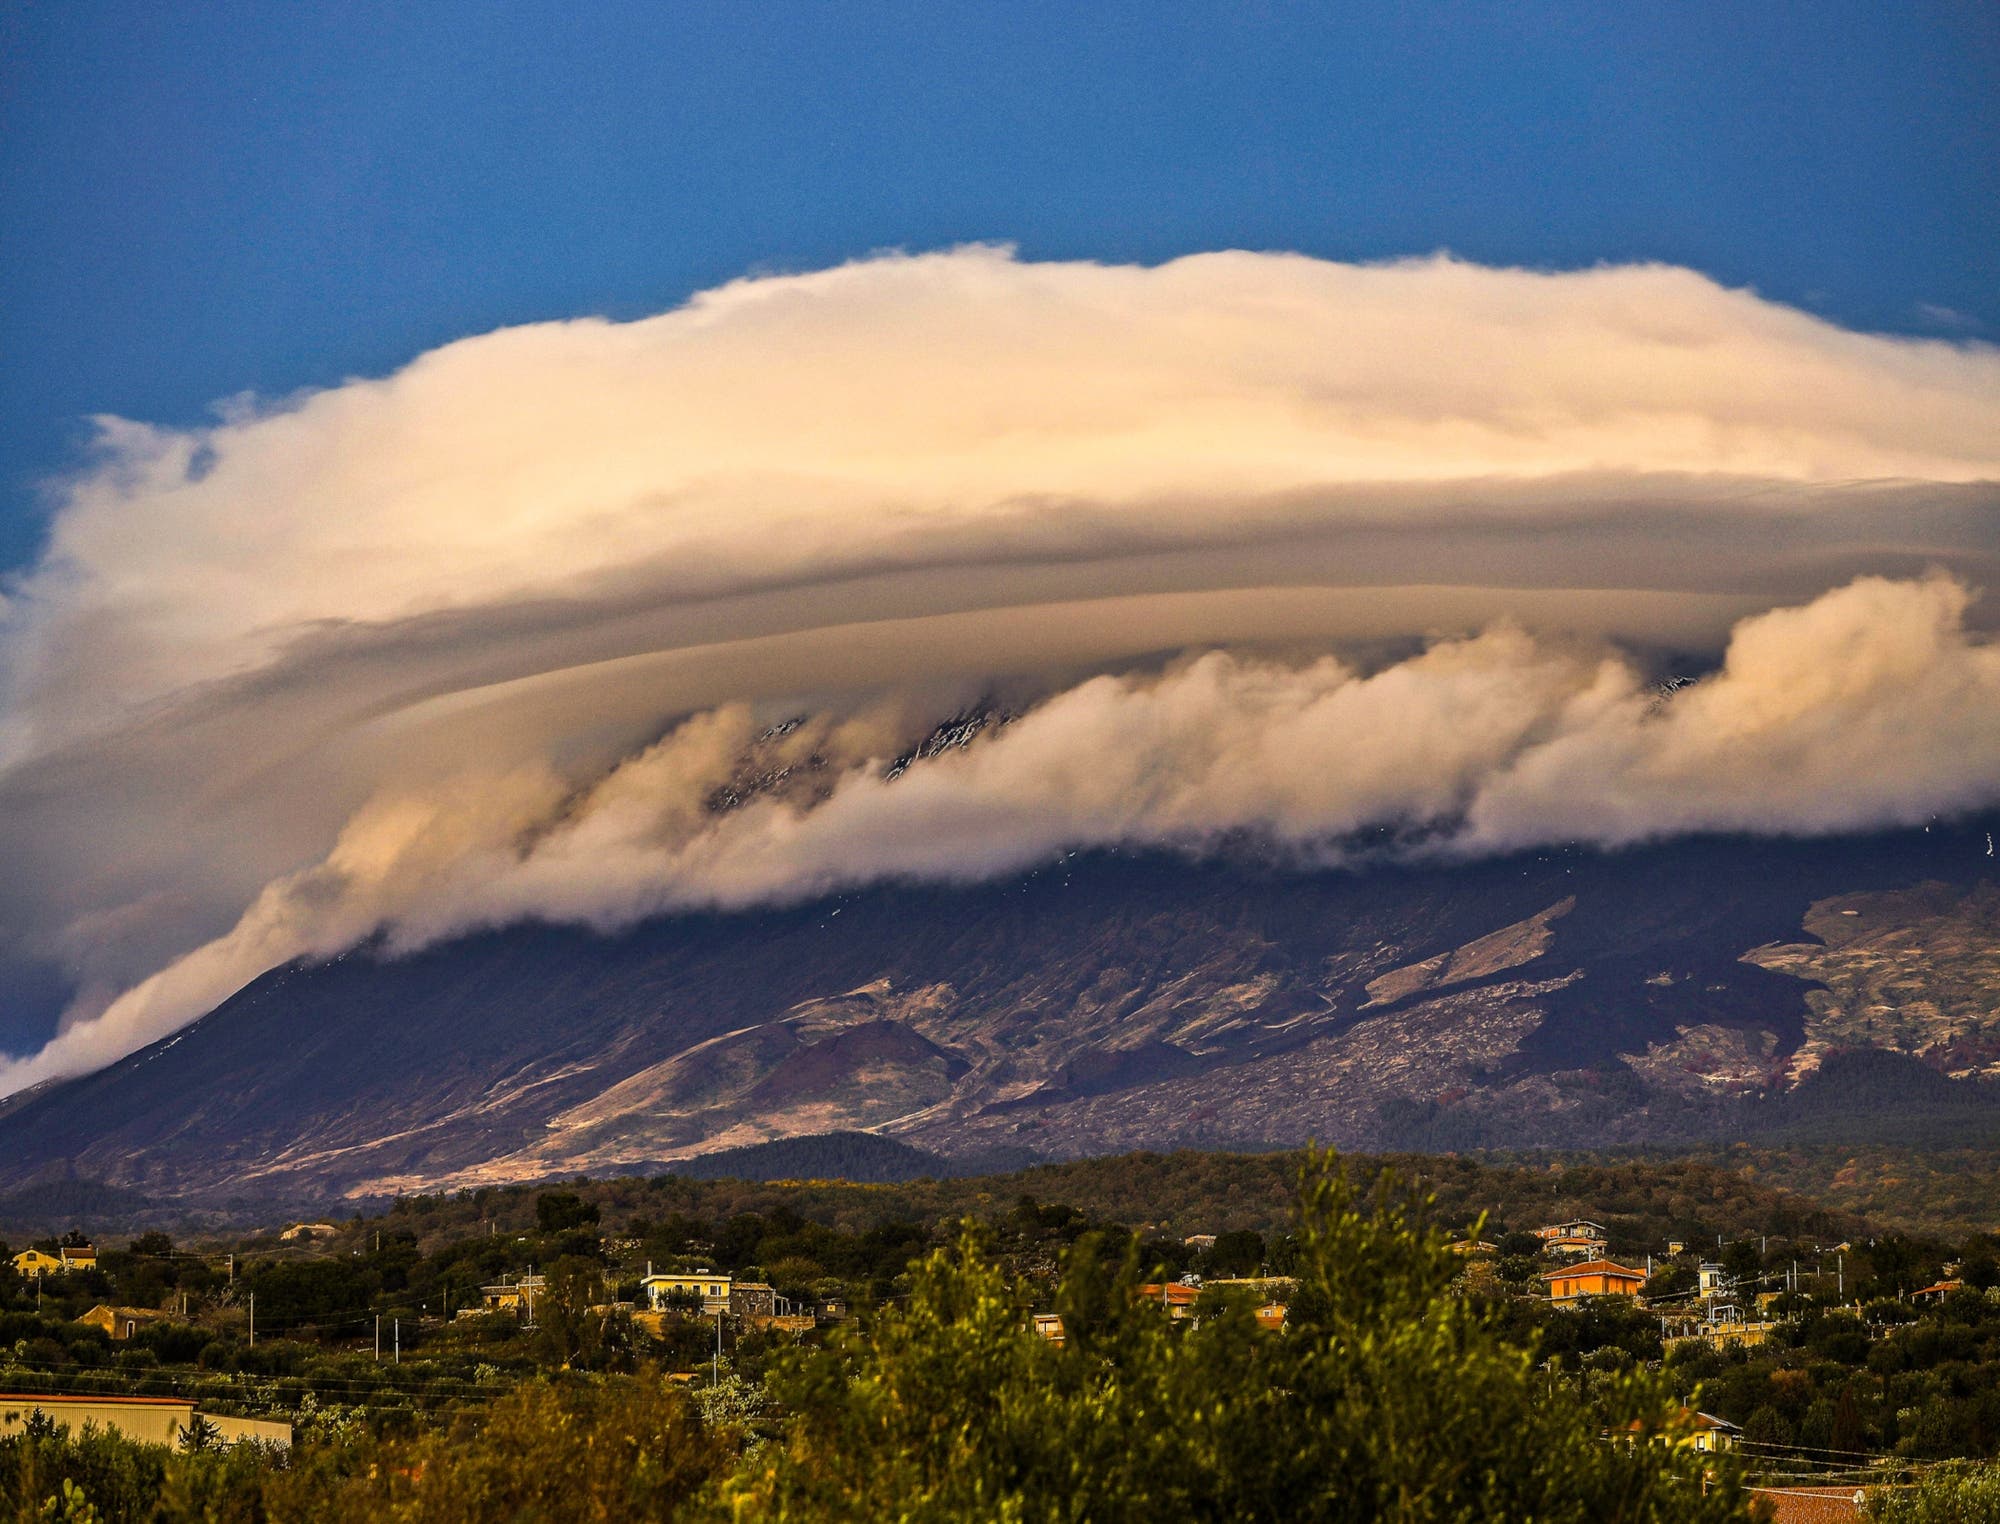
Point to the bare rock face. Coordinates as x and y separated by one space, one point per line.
1914 971
1105 1002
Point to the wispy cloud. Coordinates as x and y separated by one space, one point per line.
1947 319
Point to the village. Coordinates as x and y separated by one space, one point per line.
713 1302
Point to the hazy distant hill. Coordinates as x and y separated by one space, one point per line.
1110 1002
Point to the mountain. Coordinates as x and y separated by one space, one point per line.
1702 988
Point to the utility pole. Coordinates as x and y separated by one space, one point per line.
398 1326
253 1320
232 1269
715 1376
378 1338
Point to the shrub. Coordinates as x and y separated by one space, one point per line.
1961 1493
1384 1397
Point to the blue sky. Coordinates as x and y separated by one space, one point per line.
199 200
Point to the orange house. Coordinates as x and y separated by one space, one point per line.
1597 1277
1178 1299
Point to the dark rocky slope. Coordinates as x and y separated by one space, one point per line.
1108 1002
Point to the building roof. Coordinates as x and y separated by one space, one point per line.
1810 1505
525 1283
1603 1267
1693 1420
92 1399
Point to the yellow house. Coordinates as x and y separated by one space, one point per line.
40 1262
513 1296
711 1286
122 1322
1693 1430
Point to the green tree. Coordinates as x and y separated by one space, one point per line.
200 1434
561 1211
549 1452
1386 1397
1240 1252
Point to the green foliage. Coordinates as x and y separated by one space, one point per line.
561 1211
550 1452
1385 1397
1953 1494
200 1434
1237 1252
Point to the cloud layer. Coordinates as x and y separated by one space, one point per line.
477 640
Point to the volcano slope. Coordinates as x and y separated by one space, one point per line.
1691 990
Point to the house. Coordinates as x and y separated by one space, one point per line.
710 1287
1597 1277
1199 1241
761 1307
1692 1430
122 1322
1573 1246
833 1308
1704 1431
1271 1315
1049 1326
1471 1246
1722 1332
1712 1279
300 1231
148 1420
37 1263
1576 1228
1178 1298
513 1296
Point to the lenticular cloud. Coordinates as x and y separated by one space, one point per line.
1253 547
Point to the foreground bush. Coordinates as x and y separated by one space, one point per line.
632 1448
1385 1398
1961 1493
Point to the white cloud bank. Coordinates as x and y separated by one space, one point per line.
399 654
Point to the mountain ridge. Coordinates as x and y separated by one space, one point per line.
1105 1002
